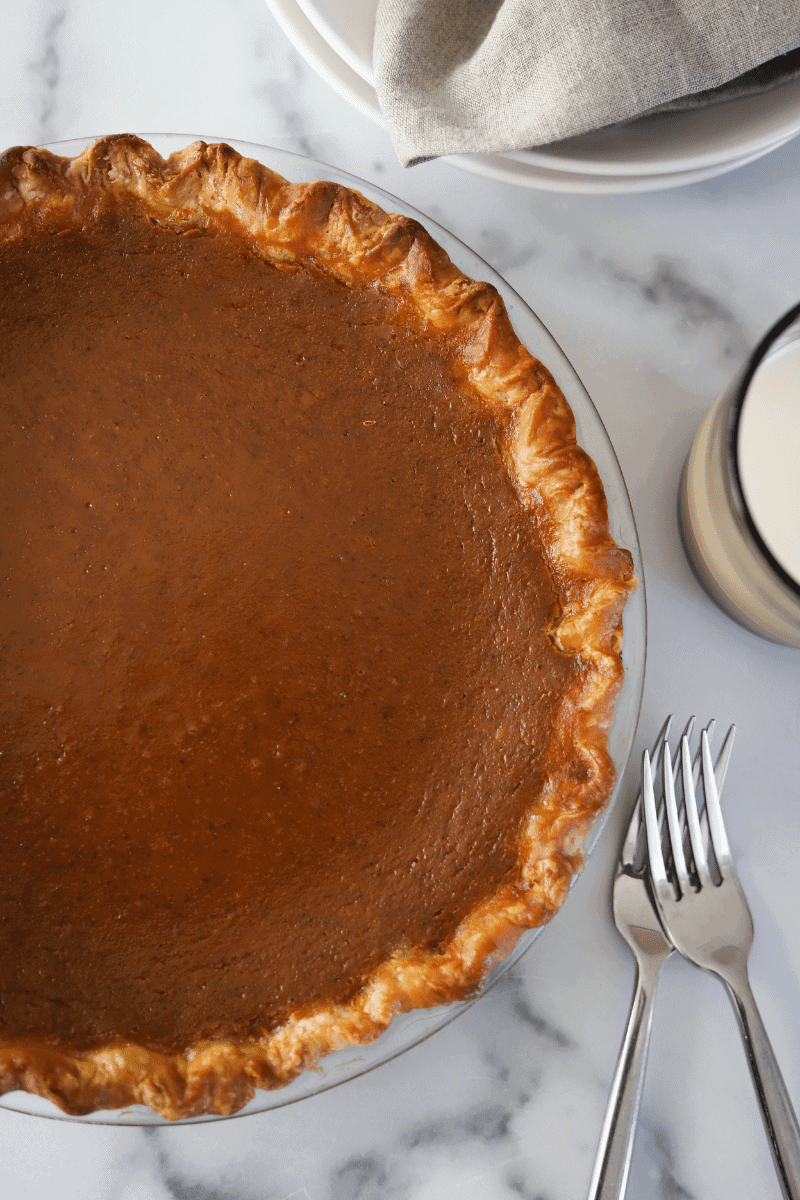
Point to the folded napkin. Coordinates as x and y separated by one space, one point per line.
487 76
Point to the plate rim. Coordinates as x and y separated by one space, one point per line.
309 38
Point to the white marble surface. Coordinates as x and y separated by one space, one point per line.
656 300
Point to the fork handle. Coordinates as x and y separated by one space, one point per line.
777 1113
613 1160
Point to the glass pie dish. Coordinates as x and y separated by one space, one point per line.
414 1026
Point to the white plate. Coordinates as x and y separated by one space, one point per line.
506 170
335 36
409 1029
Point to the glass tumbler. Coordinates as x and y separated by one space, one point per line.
740 491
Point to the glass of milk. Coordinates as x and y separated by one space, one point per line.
740 491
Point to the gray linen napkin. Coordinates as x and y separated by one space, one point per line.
486 76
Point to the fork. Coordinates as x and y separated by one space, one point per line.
638 923
710 924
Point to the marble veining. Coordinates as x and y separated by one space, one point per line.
47 70
668 286
656 299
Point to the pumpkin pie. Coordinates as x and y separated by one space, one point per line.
310 631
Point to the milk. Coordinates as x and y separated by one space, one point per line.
768 453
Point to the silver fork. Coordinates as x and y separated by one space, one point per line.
638 923
710 924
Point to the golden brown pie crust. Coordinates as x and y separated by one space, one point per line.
339 232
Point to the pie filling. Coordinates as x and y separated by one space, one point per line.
309 635
275 631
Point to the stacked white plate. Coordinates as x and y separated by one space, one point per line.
661 151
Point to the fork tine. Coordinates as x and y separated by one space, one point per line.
686 844
663 735
673 824
687 733
658 873
692 819
710 727
698 756
723 759
628 854
716 826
